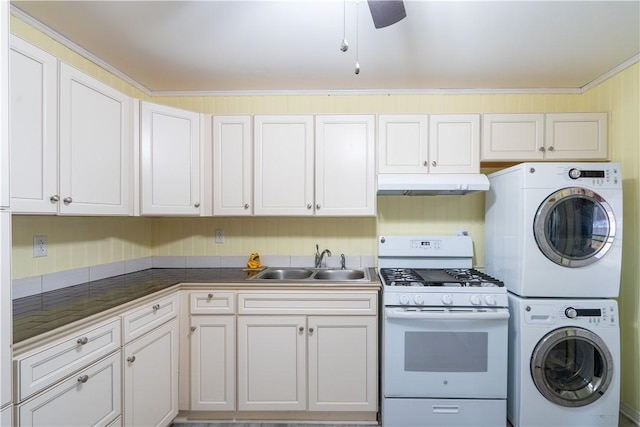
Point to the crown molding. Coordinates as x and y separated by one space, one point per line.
626 64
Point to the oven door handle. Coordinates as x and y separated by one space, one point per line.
399 313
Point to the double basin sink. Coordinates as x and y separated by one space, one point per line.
313 274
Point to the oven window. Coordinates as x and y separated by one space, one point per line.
446 351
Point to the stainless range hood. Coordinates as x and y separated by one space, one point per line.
431 184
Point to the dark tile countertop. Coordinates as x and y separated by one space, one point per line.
42 313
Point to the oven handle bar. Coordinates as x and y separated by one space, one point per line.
399 313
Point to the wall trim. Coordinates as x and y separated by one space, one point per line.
630 413
151 93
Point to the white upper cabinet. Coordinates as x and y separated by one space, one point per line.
345 166
454 143
232 166
557 136
170 145
513 136
34 129
284 159
576 136
95 146
4 104
429 143
402 144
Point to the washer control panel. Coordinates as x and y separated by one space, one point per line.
589 313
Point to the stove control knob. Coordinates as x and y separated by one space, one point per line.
447 299
404 300
475 299
571 312
419 299
490 299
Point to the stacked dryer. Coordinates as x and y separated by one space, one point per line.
553 233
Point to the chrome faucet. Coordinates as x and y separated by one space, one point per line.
342 262
320 256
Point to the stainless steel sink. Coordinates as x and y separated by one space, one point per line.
339 275
285 274
312 274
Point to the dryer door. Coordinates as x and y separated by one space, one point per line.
574 227
572 367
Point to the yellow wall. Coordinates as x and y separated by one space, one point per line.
79 242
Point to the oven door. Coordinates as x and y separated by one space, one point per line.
443 352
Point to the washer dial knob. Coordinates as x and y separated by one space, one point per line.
574 173
447 299
404 300
571 312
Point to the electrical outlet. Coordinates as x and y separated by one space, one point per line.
219 235
40 246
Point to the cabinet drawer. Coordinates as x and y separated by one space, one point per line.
152 314
270 302
212 302
89 398
55 362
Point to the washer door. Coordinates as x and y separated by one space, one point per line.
572 367
574 227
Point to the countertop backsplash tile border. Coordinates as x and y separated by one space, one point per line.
34 285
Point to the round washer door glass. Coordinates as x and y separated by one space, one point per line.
572 367
574 227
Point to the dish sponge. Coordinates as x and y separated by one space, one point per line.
254 261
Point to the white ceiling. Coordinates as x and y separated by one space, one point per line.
242 45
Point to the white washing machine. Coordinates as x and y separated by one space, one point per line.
555 229
564 358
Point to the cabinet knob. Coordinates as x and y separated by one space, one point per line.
156 307
83 340
301 329
210 296
550 148
310 331
309 206
541 149
246 205
425 163
197 205
67 200
83 379
433 163
131 359
193 328
318 206
55 198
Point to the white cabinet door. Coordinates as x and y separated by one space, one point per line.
6 416
89 398
345 166
284 160
33 128
232 166
454 143
402 144
95 146
213 367
4 104
151 377
513 137
343 363
271 363
170 161
6 329
576 136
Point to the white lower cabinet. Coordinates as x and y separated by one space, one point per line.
89 398
6 416
151 377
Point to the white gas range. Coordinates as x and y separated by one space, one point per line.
444 334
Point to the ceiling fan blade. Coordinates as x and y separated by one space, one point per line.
386 12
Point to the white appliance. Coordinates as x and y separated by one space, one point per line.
444 335
564 359
555 229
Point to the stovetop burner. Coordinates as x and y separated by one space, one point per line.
454 277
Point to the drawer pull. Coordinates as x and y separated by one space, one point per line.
83 379
83 340
156 307
210 296
131 359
